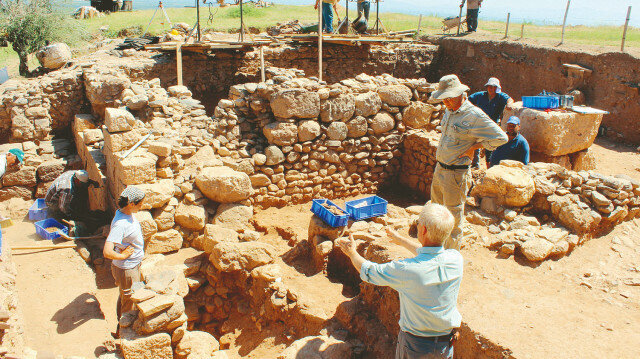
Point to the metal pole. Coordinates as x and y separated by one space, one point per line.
564 22
198 21
320 41
624 33
460 18
419 24
377 17
262 77
241 23
506 30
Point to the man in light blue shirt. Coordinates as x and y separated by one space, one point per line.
427 284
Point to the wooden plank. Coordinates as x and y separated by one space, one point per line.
179 64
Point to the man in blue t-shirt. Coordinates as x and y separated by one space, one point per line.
516 149
492 102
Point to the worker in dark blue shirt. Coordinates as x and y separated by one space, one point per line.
492 102
516 149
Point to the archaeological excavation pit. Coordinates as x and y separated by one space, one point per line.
237 266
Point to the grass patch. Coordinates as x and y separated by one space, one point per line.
247 11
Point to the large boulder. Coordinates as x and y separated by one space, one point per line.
337 131
54 56
157 194
340 108
574 214
230 257
317 347
104 89
295 103
510 186
224 185
308 130
281 133
536 249
24 176
382 122
194 345
233 215
395 95
555 133
368 104
214 234
357 127
417 115
274 155
136 170
190 216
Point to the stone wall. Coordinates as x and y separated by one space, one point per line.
419 160
526 70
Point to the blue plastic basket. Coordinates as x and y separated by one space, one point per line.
541 102
38 210
367 207
328 217
41 228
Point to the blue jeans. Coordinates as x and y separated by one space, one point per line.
327 18
472 19
364 6
413 347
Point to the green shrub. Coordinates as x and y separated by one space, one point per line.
247 10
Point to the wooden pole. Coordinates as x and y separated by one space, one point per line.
506 30
51 246
262 77
522 32
241 23
377 17
320 41
419 24
564 22
198 14
179 63
624 33
460 17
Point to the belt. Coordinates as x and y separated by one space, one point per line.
437 339
448 167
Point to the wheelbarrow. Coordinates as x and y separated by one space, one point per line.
452 23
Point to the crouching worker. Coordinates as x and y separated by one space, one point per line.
68 199
125 247
427 284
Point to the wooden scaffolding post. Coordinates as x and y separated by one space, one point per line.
262 76
179 63
320 41
624 32
564 22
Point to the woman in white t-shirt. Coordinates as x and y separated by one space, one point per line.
125 246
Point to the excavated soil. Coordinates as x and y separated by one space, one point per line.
580 306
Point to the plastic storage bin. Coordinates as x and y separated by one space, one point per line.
328 217
368 207
38 210
541 102
41 228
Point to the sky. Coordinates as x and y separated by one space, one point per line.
544 12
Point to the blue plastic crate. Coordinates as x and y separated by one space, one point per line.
41 228
541 102
367 207
328 217
38 210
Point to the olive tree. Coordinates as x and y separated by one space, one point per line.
30 24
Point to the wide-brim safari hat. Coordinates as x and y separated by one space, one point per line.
448 87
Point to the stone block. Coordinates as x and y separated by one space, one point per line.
156 346
161 149
244 256
382 122
214 234
295 103
233 215
116 142
191 217
118 120
154 305
147 224
281 133
395 95
164 242
340 108
367 104
510 186
25 177
555 133
224 185
136 170
157 194
196 345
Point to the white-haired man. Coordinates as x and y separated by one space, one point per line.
465 128
428 285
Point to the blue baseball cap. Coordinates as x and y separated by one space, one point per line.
18 153
515 120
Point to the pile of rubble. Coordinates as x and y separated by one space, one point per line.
544 210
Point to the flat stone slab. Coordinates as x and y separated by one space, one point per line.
555 133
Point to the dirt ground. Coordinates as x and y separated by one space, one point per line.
585 305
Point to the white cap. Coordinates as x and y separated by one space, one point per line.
494 82
82 176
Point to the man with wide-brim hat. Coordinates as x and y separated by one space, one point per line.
465 128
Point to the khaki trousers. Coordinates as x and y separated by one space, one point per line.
449 188
124 280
